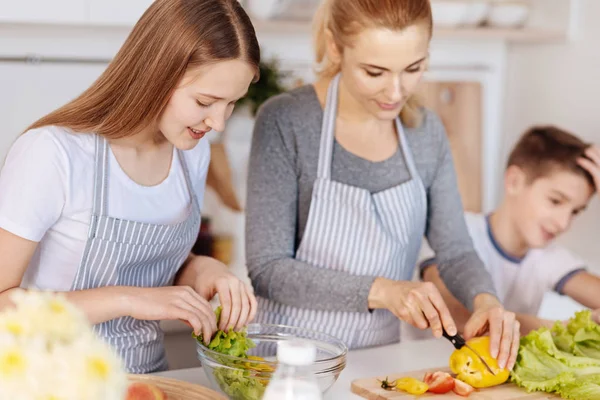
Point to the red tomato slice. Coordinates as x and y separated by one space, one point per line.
462 389
439 382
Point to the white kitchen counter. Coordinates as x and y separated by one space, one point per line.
379 361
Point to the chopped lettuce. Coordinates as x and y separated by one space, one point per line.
231 343
587 343
545 341
238 385
235 379
584 388
581 336
562 337
564 360
582 320
536 369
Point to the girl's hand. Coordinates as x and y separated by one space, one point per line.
172 303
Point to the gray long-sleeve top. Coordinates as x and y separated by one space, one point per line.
282 171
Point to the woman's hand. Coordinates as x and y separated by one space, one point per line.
237 300
417 303
489 316
172 303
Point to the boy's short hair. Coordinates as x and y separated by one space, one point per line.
545 149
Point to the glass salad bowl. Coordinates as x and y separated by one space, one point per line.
246 378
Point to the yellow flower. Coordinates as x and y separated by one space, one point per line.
13 324
100 363
46 315
48 351
12 362
98 368
15 328
57 307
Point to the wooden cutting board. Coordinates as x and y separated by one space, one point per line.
370 388
178 390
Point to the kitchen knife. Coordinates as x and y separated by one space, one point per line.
459 342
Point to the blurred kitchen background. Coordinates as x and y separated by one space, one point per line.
496 68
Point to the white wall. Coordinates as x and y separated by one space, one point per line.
31 91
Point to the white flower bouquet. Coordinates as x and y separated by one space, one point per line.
48 351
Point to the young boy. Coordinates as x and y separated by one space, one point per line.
550 177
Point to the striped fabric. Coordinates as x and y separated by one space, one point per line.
353 231
128 253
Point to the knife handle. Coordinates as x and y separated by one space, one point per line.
456 340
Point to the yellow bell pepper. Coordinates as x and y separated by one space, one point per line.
257 366
411 385
469 368
263 370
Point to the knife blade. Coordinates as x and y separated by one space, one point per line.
459 342
481 358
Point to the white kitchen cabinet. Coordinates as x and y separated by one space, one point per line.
29 91
117 12
44 11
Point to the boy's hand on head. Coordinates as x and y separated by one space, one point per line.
592 164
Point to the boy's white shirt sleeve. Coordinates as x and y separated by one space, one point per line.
558 265
33 185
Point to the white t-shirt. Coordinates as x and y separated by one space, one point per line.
520 283
46 195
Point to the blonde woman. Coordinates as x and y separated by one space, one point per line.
101 198
347 175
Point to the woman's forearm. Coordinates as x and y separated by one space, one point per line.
99 305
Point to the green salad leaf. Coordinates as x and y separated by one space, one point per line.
562 337
235 378
238 385
536 369
564 360
581 336
231 343
587 343
584 388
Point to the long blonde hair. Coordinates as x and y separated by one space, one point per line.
347 18
171 36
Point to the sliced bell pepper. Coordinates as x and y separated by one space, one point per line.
470 369
411 385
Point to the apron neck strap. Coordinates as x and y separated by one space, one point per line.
188 179
328 129
408 158
100 204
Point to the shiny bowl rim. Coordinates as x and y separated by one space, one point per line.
335 370
341 356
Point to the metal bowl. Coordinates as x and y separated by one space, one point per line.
245 379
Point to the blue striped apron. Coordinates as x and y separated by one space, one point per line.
128 253
353 231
